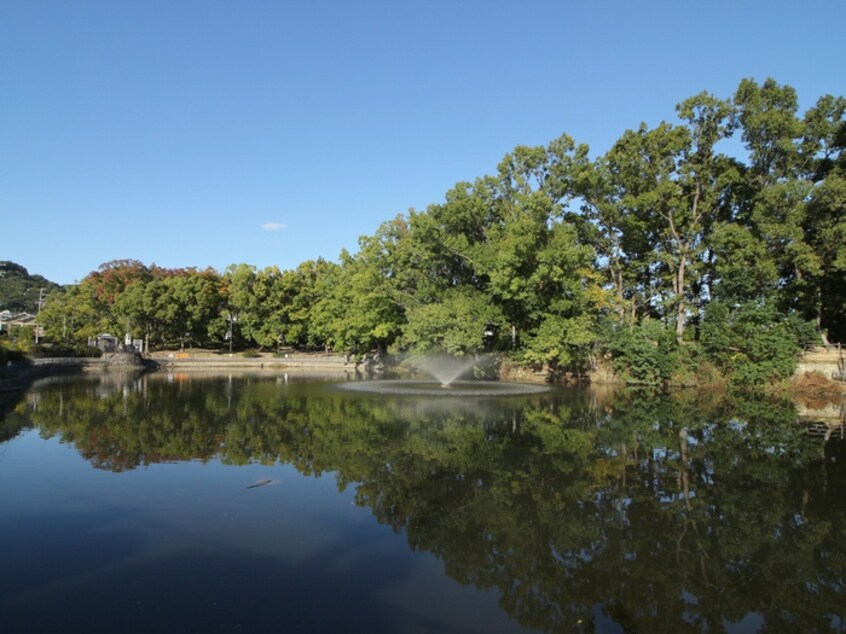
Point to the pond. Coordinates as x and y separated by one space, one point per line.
281 502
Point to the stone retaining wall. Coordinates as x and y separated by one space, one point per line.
185 361
75 362
827 361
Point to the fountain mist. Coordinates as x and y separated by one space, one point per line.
444 368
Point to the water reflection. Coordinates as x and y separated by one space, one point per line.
585 510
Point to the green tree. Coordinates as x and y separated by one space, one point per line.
825 221
238 300
454 324
796 196
642 166
190 304
328 313
269 297
357 309
645 353
532 257
255 303
301 324
140 305
75 315
743 267
669 182
752 342
826 233
603 223
705 177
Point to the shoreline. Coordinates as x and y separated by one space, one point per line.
818 400
807 381
205 360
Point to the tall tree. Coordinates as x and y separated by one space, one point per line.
643 166
770 129
602 223
703 176
141 306
238 300
302 289
190 304
655 197
825 220
795 192
73 315
114 277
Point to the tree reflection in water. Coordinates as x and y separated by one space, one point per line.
663 512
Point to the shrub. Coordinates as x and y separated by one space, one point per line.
66 350
646 353
560 342
752 343
13 350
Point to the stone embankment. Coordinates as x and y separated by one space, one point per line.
200 360
17 375
109 361
818 388
829 361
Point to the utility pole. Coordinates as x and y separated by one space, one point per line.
38 312
41 292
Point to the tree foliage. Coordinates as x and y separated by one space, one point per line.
752 342
569 257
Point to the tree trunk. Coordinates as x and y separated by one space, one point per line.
820 330
681 309
620 298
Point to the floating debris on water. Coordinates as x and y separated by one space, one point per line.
261 483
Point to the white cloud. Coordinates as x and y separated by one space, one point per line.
273 226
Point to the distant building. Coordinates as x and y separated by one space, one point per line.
19 320
105 342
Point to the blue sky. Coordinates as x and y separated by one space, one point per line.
205 133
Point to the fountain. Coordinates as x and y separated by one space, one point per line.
446 371
444 368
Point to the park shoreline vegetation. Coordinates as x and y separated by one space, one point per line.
663 261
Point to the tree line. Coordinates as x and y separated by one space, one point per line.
668 255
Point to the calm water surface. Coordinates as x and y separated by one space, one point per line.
264 503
